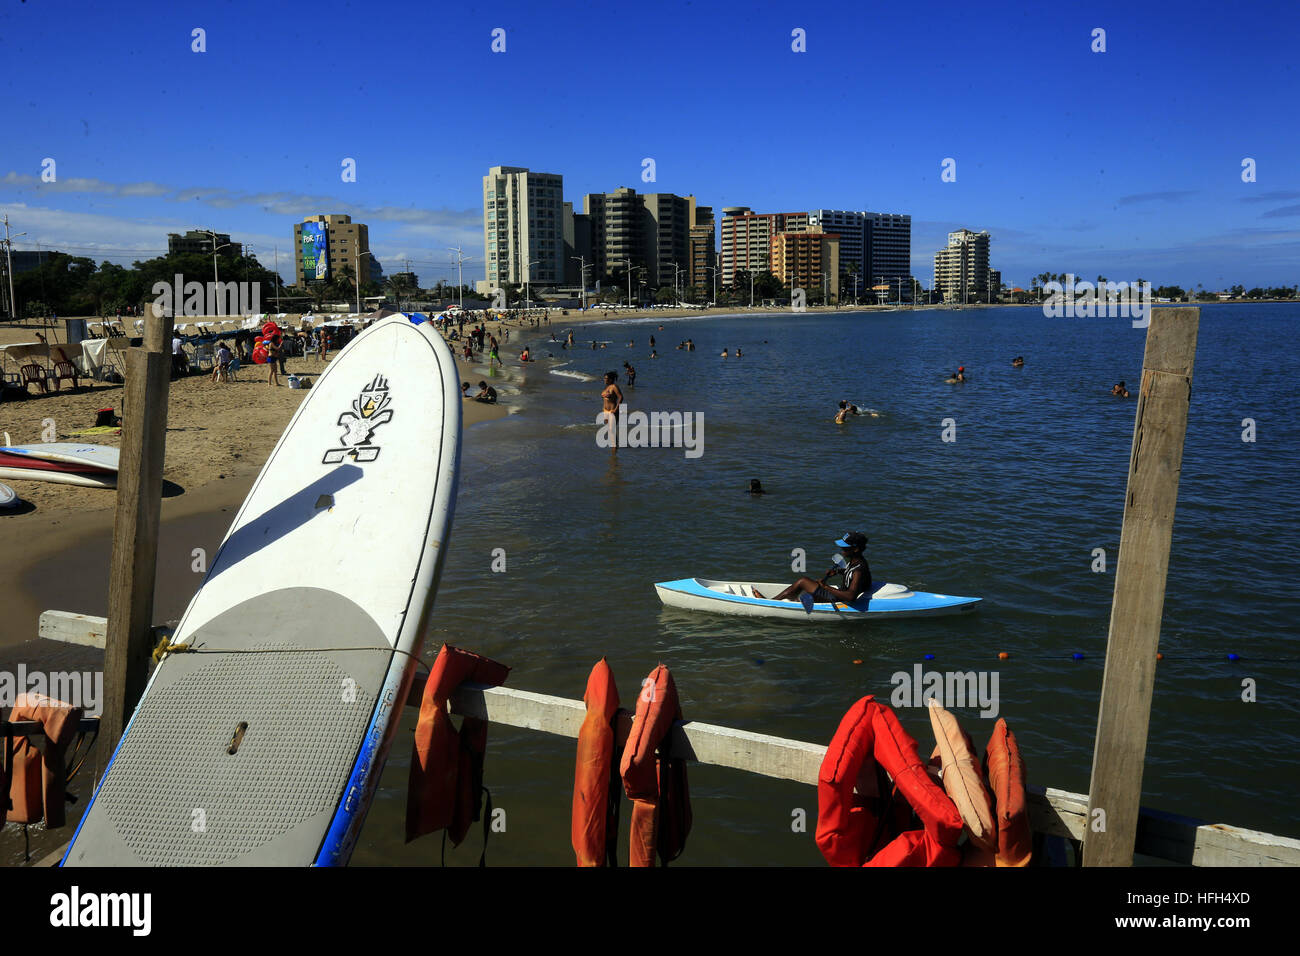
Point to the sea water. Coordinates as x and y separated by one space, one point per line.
1022 506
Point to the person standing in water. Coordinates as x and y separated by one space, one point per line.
612 398
631 373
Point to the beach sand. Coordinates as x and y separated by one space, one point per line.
54 548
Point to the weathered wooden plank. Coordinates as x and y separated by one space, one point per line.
1140 572
133 567
73 628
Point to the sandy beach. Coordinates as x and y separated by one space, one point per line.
54 547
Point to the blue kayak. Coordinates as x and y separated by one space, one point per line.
754 599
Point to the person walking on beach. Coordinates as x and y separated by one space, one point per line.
612 397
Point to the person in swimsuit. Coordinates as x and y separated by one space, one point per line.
631 373
856 576
612 397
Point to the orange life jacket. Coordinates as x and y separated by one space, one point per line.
851 826
597 787
1006 773
654 781
36 781
446 779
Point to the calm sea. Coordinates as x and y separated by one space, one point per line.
1013 510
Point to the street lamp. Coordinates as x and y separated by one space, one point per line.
630 270
215 249
677 270
582 261
528 275
460 281
9 259
714 270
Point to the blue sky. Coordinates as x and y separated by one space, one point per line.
1126 163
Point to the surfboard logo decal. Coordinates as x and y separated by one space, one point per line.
369 411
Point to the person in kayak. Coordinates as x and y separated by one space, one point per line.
856 577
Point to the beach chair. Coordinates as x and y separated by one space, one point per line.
63 370
34 373
232 372
203 358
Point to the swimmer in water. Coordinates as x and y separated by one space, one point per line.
1120 391
756 487
724 353
1018 362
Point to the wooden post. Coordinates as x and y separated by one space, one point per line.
129 642
1140 572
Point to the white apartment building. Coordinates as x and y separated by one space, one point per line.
961 270
523 227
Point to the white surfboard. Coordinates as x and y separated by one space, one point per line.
92 456
105 479
273 726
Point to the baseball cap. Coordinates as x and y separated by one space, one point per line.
852 539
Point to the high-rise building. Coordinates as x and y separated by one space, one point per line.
703 257
649 233
746 240
887 247
198 241
523 227
325 244
807 260
851 227
577 244
668 235
961 269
